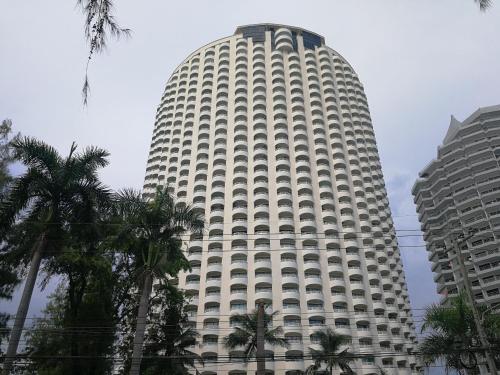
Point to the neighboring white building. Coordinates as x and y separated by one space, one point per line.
268 133
457 192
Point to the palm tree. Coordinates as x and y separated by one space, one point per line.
150 231
245 333
329 354
51 191
454 338
169 335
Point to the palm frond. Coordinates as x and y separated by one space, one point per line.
36 154
19 197
239 337
93 158
330 354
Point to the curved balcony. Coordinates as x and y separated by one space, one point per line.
291 309
238 294
289 279
262 263
291 293
213 283
263 278
217 267
335 267
312 280
239 264
264 295
212 297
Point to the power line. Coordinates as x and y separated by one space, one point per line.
106 329
279 357
264 249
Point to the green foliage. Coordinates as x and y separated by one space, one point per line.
150 232
53 338
54 191
44 208
54 196
169 336
8 275
245 333
148 241
101 247
453 336
330 354
5 156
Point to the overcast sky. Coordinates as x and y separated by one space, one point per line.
420 62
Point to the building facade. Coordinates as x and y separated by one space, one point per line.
267 132
457 193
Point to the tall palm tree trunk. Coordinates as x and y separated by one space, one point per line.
24 304
140 326
260 353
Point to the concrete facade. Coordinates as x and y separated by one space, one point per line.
457 192
268 133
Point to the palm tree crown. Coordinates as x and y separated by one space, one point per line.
245 333
53 189
329 354
52 197
454 336
150 232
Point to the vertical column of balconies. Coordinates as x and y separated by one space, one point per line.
173 153
160 129
189 72
191 282
238 207
160 146
207 318
184 182
286 190
211 296
303 238
283 217
291 286
194 178
326 128
316 270
337 270
361 322
240 185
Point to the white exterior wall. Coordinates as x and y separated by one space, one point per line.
276 148
460 191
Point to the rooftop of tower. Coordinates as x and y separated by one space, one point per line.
257 33
456 125
454 128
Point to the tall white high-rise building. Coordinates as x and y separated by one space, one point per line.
457 192
268 133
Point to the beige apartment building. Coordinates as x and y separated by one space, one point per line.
268 133
459 192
